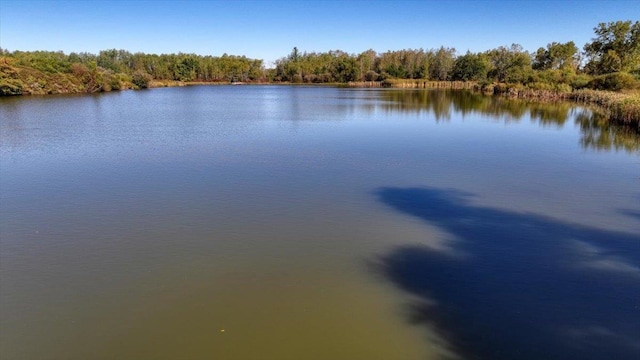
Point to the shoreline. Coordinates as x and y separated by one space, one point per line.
619 107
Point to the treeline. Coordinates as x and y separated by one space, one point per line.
42 72
611 61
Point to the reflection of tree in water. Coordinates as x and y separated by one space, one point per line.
597 133
515 285
442 103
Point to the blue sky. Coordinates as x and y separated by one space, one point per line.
268 30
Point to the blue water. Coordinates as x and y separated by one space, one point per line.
286 222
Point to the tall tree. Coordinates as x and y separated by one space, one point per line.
556 56
442 63
470 67
509 64
615 48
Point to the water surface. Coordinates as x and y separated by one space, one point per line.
267 222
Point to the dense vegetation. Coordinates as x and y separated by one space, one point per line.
46 72
611 61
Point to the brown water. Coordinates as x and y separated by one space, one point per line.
264 222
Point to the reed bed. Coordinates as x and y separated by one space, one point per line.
427 84
619 107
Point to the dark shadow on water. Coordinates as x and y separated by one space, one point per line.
516 286
631 213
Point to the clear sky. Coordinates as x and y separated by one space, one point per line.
269 29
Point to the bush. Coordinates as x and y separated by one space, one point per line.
563 88
613 82
371 76
10 87
310 78
580 81
141 79
540 86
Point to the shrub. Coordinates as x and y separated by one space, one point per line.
580 81
310 78
565 88
614 82
10 87
371 76
141 79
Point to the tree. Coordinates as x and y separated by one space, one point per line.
366 61
185 69
615 48
470 67
556 56
345 68
441 64
509 64
114 60
295 55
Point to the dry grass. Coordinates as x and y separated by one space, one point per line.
620 107
427 84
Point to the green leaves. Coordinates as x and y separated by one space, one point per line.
615 48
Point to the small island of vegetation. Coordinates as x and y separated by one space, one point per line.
606 73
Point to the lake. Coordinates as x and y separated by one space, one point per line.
292 222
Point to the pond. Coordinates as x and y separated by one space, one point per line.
291 222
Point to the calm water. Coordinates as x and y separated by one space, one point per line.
315 223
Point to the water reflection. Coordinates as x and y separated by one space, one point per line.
446 103
308 103
516 285
596 132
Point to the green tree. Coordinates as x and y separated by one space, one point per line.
442 63
345 68
112 60
511 64
556 56
185 68
615 48
470 67
366 61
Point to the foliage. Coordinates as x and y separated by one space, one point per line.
470 67
45 61
141 79
612 59
556 56
371 76
616 48
10 87
613 82
45 72
441 64
510 65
